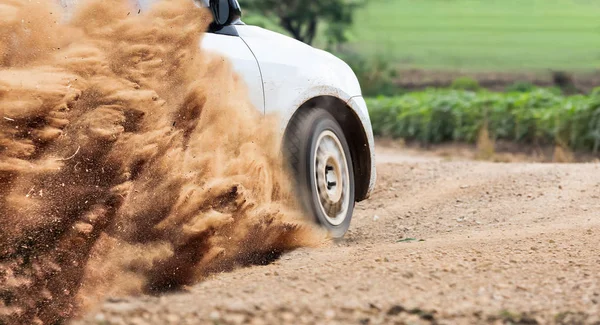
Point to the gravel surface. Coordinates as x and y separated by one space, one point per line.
439 242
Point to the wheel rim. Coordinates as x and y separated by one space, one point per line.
332 179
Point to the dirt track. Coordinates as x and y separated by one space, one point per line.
502 243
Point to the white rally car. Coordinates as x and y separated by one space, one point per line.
327 131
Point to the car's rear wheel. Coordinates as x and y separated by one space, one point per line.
320 160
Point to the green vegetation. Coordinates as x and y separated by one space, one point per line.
539 116
490 35
521 86
465 83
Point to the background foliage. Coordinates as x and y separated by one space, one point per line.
539 116
302 19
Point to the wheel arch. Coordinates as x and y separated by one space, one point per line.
355 135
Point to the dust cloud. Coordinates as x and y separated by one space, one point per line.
131 161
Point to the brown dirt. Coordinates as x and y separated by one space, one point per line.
414 79
495 243
485 149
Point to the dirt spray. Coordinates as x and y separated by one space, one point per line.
131 161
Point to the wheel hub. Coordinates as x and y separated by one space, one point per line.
332 177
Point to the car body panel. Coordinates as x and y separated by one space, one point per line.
305 71
244 63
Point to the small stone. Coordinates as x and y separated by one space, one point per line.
330 314
100 318
395 310
374 306
375 217
173 319
408 275
235 318
237 307
83 228
138 321
257 321
215 315
288 317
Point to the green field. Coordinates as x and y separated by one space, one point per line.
491 35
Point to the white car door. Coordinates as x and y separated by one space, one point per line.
293 72
233 48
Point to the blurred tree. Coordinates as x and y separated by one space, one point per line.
301 18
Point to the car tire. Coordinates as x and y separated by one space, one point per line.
321 164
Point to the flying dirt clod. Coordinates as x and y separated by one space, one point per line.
131 161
